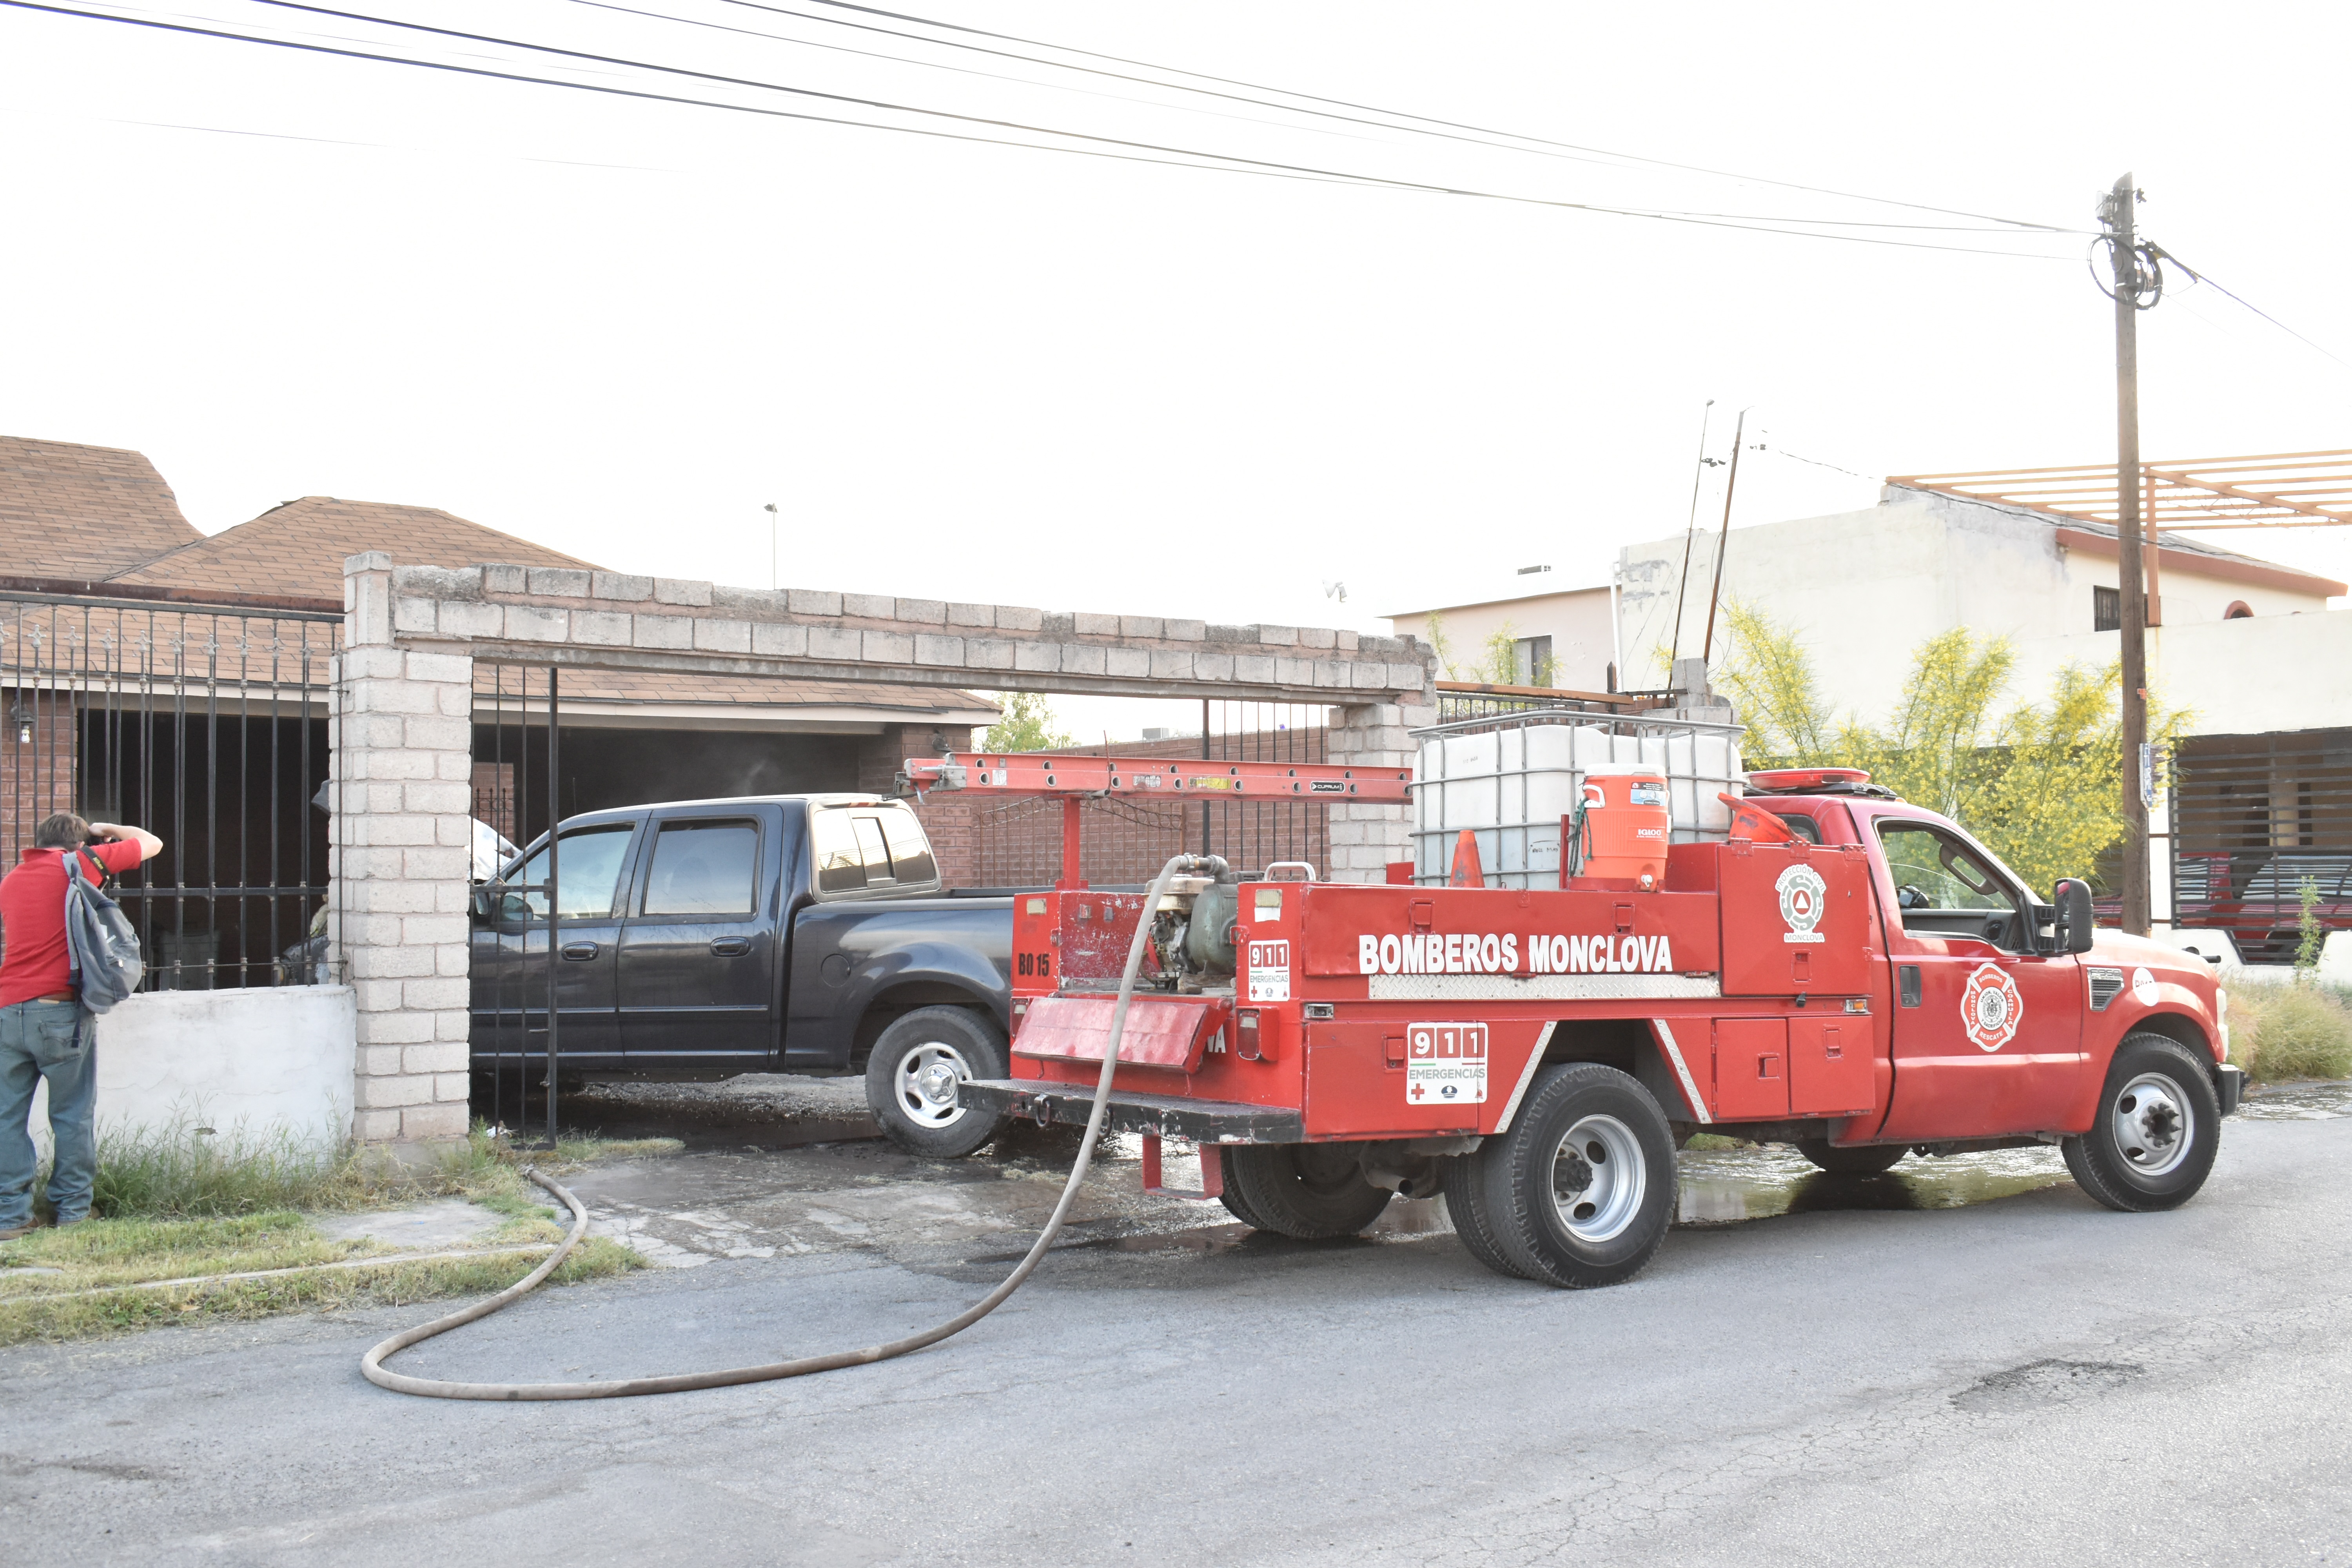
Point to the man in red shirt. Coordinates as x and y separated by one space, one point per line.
43 1033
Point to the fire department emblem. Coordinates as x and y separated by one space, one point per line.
1802 891
1991 1007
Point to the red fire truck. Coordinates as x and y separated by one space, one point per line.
1845 972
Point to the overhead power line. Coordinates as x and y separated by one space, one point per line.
1178 86
1403 114
1137 151
2208 281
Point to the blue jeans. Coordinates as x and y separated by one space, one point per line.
49 1040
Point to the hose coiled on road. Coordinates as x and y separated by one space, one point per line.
372 1364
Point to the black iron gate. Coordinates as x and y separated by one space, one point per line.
206 726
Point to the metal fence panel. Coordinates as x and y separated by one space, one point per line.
207 727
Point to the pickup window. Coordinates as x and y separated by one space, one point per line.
1802 825
1947 888
588 874
871 848
704 869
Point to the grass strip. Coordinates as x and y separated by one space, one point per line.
298 1269
394 1281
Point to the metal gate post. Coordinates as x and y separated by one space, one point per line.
554 904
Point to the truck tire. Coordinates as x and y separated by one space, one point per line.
1472 1222
1304 1191
910 1080
1868 1160
2151 1143
1580 1189
1236 1204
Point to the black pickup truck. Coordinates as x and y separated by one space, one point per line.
794 933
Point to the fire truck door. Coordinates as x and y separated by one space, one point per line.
1988 1034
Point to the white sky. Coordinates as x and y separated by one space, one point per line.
970 371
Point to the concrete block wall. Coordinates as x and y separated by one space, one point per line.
400 744
660 623
1364 836
401 740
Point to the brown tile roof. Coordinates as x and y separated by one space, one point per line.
590 685
298 548
83 512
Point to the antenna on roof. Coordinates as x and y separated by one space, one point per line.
1690 532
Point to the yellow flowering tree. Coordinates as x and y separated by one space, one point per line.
2038 782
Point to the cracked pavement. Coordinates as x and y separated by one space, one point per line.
2025 1378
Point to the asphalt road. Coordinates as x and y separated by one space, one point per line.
2031 1379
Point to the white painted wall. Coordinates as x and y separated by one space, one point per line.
248 1064
2239 678
1863 589
1577 621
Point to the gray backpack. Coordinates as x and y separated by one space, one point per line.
107 965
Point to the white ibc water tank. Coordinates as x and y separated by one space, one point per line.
1511 785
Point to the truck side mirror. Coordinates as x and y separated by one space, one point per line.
2076 928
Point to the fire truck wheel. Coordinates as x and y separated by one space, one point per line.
911 1078
1236 1204
1868 1161
2155 1132
1582 1185
1306 1191
1474 1222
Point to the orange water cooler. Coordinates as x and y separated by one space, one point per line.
1622 826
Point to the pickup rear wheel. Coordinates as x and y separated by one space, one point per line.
1306 1191
916 1068
1580 1188
2157 1128
1868 1160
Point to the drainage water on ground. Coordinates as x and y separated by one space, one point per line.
1728 1186
778 1165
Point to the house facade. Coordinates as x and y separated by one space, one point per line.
2259 797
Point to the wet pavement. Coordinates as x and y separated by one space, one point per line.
2312 1100
2030 1378
1728 1186
777 1165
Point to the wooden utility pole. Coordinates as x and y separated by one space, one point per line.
2116 212
1723 541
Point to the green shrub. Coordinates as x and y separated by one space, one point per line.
2280 1032
184 1170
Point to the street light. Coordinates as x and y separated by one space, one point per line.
774 521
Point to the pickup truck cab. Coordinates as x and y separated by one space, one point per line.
777 933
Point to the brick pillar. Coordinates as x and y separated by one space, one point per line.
1365 838
401 749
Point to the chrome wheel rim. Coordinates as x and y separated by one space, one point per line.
2153 1125
1598 1179
927 1079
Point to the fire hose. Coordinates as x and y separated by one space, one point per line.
372 1364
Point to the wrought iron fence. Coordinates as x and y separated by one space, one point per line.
205 726
1019 843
